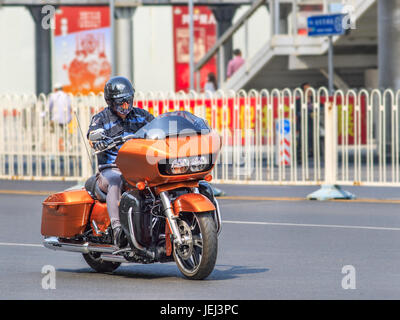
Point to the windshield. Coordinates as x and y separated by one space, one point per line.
173 124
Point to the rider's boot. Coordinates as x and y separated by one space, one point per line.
119 237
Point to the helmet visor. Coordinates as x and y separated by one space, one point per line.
123 105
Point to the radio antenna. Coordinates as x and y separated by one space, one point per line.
87 150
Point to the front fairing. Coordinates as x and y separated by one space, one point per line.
138 158
172 135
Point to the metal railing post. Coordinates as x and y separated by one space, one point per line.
221 69
330 144
329 190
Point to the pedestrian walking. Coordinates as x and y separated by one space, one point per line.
235 63
211 84
60 113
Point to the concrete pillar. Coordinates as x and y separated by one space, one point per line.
124 42
279 16
284 11
42 52
224 15
389 44
388 57
371 79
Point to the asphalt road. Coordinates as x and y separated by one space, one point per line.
267 250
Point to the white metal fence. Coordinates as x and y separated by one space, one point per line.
269 137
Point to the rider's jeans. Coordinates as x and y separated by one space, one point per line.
109 181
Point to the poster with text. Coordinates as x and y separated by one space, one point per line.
82 48
204 39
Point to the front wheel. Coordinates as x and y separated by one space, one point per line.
197 255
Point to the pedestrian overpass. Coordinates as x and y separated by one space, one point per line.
290 58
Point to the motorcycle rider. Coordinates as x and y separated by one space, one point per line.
118 118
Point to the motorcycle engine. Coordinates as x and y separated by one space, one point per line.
134 203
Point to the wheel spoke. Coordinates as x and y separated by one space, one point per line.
198 242
189 264
190 231
194 224
195 258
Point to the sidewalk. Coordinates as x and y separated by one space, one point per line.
231 190
391 193
19 185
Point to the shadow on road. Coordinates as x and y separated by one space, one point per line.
134 271
150 272
226 272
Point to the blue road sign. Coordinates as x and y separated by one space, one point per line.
325 25
283 127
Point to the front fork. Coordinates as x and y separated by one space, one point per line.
172 219
169 212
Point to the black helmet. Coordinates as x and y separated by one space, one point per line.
119 93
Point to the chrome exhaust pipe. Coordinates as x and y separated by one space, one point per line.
54 243
150 254
102 248
113 258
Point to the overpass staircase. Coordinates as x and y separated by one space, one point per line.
288 58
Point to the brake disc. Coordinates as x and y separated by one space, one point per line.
185 250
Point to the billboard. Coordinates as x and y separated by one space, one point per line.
204 39
82 48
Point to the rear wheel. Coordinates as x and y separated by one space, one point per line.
95 262
197 255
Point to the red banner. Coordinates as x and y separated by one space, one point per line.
77 19
204 39
240 119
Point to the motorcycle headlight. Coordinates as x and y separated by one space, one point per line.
179 166
185 165
198 163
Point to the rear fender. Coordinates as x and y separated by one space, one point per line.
192 202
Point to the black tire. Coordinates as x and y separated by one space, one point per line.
206 232
96 263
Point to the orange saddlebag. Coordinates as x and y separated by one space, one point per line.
65 214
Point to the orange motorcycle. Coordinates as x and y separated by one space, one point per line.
167 211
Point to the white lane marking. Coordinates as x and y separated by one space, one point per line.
20 244
252 223
311 225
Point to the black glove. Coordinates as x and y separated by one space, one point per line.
102 144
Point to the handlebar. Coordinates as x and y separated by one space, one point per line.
116 141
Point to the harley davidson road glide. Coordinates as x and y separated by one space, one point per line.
168 211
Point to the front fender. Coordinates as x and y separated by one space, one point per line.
192 202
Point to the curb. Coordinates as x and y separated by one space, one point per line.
240 198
